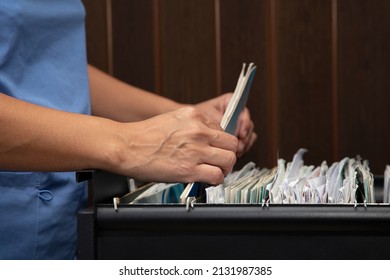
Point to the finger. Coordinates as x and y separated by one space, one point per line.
202 134
223 140
244 142
226 99
248 134
212 124
251 142
223 159
209 174
244 147
246 125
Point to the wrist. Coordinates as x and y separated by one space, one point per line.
107 145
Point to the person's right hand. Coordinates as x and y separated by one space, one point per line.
178 146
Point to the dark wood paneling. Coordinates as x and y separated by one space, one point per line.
133 42
364 84
243 39
323 64
188 52
303 40
96 33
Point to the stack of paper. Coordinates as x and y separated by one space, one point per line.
347 181
239 99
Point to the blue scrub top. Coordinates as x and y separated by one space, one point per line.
42 61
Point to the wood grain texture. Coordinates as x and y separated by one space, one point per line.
303 34
322 80
96 33
243 39
364 84
133 42
188 52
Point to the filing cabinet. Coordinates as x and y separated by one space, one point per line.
226 231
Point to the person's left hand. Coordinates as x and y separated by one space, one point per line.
214 110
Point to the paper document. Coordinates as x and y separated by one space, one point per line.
239 99
346 182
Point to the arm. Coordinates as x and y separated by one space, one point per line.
179 146
42 139
114 99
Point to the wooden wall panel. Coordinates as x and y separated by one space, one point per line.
187 49
323 64
364 84
303 41
133 42
96 33
243 39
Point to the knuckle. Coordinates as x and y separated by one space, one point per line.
235 143
185 172
197 133
198 128
190 111
230 162
216 176
232 158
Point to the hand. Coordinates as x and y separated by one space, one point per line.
178 146
214 109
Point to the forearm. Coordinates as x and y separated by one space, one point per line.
179 146
119 101
35 138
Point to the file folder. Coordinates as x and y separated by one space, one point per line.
204 231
